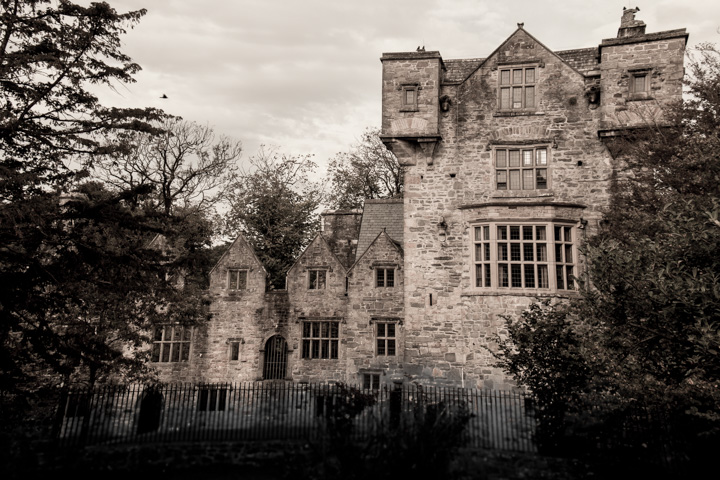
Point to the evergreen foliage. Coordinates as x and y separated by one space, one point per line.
82 282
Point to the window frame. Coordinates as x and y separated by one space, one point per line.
382 337
314 284
524 86
316 343
633 90
540 159
238 286
234 350
382 278
178 349
532 260
370 381
412 106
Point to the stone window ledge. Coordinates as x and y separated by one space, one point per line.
494 293
513 194
638 97
517 114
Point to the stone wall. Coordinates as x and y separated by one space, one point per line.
660 57
447 325
451 326
236 317
322 304
369 304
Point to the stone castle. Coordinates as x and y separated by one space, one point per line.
507 171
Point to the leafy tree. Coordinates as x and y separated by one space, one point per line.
79 283
274 205
188 168
644 329
368 170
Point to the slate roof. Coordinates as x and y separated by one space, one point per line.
458 70
382 213
584 60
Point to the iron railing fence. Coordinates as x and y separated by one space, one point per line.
282 410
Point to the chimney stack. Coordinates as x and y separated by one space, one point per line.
629 27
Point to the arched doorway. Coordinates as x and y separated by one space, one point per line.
276 353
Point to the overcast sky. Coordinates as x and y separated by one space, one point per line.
305 75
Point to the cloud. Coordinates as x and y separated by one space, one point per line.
306 76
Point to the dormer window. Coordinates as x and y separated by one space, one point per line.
517 88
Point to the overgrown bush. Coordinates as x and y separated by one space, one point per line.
422 442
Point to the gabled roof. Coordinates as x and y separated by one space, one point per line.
382 234
378 215
327 245
518 30
239 238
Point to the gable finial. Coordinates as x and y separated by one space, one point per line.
521 25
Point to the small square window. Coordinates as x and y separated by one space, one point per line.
371 381
316 279
409 99
639 83
237 279
385 277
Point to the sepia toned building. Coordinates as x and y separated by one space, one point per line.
507 171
